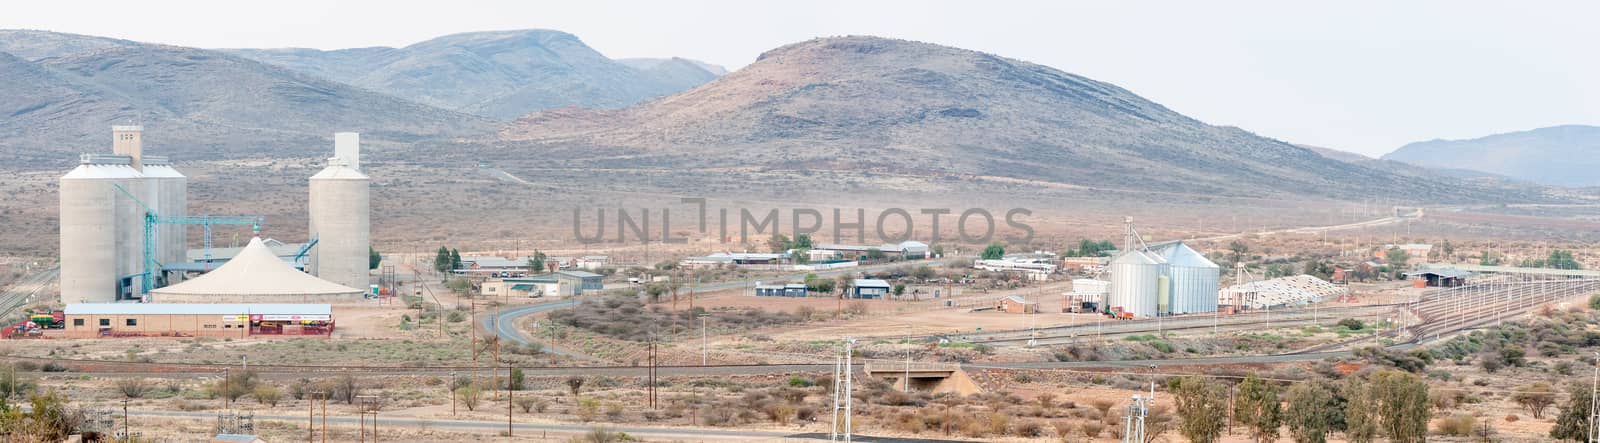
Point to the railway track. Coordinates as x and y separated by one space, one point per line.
25 289
1122 328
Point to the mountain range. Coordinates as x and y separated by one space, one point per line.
868 103
499 74
1559 155
863 106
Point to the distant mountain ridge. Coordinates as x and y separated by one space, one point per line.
497 74
198 103
1566 155
883 105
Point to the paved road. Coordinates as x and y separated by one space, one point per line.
505 324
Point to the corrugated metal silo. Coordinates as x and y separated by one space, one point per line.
340 219
1134 279
94 229
1194 280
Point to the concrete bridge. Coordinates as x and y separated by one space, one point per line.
931 377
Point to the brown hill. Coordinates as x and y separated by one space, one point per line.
867 103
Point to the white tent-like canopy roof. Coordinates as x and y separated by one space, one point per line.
256 270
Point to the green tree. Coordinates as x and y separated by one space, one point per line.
801 256
875 254
1573 423
802 241
1536 398
899 289
1447 250
1313 412
994 251
1562 259
1239 249
1402 400
937 250
517 380
844 284
373 258
455 258
1202 406
1257 407
1397 258
778 243
441 261
1360 414
537 261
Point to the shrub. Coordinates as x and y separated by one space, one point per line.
527 404
267 394
1457 426
133 387
1092 429
1029 428
470 396
588 409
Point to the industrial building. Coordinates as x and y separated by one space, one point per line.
535 286
104 202
783 290
1015 304
92 320
910 250
124 229
341 216
1162 279
255 275
869 288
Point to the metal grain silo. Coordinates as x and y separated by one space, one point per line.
168 190
96 234
340 222
1135 278
1194 279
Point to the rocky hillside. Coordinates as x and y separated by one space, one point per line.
1559 155
500 74
197 104
890 106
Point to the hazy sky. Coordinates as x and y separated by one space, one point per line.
1358 76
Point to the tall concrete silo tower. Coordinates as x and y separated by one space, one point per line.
168 192
102 229
340 216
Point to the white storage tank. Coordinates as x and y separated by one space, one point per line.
340 221
1135 278
93 228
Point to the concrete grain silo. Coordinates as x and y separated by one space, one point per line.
95 230
341 217
169 196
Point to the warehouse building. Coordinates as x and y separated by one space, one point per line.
92 320
527 287
869 288
255 275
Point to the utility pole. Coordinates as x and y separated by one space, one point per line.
511 394
703 349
